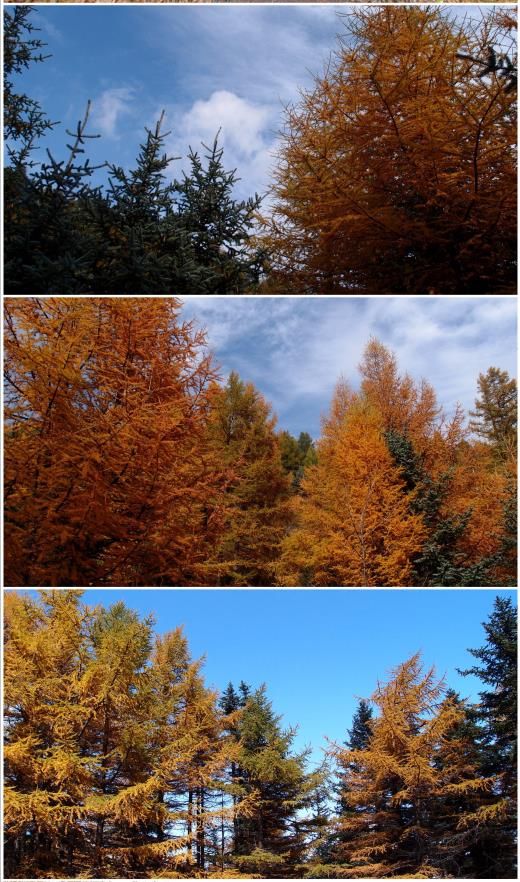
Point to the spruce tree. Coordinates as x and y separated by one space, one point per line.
24 119
359 733
270 838
216 228
358 737
441 560
496 667
497 715
136 234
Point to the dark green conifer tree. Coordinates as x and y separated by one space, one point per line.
496 713
440 561
272 839
297 455
24 119
217 228
358 738
137 234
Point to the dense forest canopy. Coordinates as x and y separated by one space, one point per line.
120 762
395 174
129 461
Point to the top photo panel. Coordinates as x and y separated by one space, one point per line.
204 149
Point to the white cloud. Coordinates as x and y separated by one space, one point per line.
244 130
109 108
242 122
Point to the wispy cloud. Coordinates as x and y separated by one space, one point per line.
109 108
295 349
233 67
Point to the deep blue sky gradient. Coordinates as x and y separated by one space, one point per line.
317 650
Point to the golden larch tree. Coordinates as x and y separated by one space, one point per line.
354 525
414 800
256 508
397 171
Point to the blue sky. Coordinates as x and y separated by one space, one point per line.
318 651
295 349
229 67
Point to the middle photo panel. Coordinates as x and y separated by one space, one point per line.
260 441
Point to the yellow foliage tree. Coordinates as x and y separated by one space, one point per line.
107 740
414 800
354 520
256 508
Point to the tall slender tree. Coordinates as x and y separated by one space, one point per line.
496 667
495 416
354 521
411 789
257 499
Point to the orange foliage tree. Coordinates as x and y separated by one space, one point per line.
107 477
400 495
397 172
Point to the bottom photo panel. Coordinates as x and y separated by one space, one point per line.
260 733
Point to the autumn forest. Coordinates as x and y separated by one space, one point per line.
130 461
121 762
182 411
